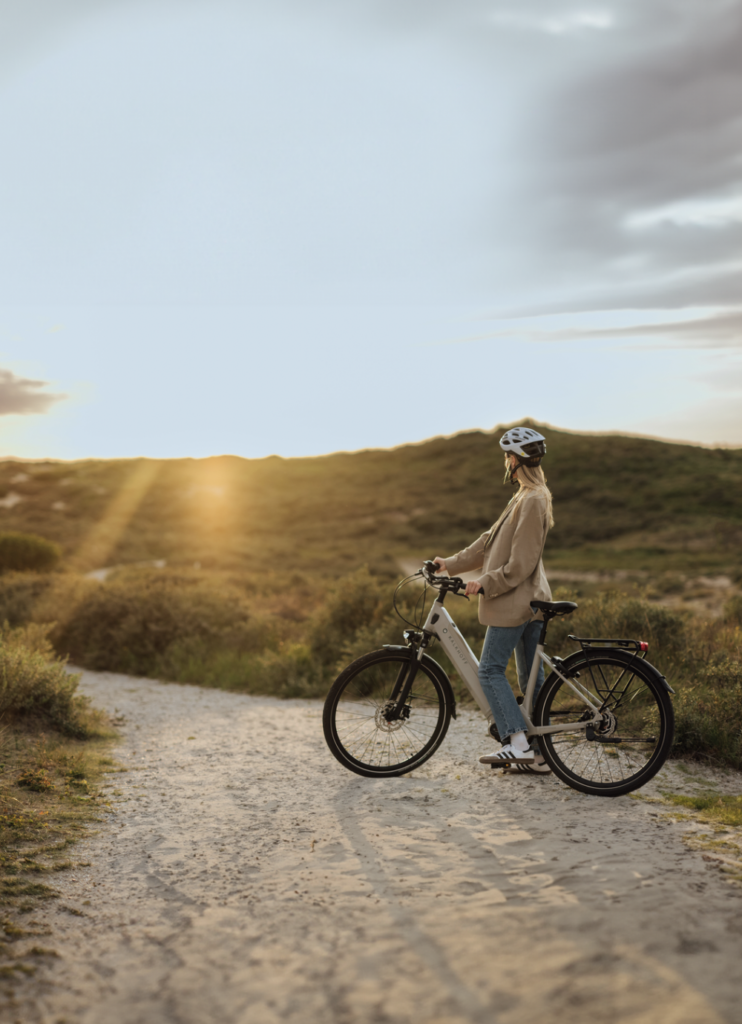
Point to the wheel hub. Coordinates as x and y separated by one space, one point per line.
608 725
388 724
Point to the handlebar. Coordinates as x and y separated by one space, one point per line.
452 583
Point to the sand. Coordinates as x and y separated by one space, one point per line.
242 875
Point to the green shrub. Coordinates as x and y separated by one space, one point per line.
20 594
708 723
36 689
289 671
35 779
616 616
720 672
20 552
369 638
355 601
733 611
135 624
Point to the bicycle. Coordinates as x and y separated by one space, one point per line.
603 717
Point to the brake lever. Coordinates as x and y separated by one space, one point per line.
455 589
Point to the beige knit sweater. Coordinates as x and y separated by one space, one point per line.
512 570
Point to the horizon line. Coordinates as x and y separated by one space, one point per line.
526 420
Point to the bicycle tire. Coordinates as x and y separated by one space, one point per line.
633 742
354 726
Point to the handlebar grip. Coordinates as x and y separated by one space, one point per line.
430 565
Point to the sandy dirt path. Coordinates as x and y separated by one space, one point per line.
245 876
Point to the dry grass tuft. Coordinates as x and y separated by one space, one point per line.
53 758
713 807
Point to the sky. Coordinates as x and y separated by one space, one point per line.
301 226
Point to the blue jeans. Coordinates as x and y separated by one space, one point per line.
499 644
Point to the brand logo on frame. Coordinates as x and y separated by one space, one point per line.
451 639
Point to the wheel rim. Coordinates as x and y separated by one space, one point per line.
362 729
630 738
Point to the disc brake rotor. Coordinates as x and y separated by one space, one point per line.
383 723
608 725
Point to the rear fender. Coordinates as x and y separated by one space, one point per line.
578 660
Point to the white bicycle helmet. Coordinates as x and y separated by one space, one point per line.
526 443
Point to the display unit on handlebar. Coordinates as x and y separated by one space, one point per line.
603 717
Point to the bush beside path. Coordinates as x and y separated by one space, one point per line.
291 638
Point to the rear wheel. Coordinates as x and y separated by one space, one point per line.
356 719
631 742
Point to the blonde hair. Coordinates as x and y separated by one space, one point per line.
533 478
530 478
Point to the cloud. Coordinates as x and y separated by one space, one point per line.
619 185
561 154
19 396
559 24
724 330
636 157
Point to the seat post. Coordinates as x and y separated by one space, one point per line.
550 609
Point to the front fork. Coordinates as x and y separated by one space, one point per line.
399 696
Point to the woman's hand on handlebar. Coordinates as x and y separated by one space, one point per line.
472 587
440 563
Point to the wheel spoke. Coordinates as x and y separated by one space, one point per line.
634 726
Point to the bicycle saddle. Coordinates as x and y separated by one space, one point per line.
555 607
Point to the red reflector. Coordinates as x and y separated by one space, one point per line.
643 645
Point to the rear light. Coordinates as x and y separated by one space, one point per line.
643 645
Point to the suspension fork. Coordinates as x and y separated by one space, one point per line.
405 678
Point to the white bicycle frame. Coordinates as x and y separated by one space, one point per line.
463 659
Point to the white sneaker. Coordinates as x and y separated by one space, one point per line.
509 755
535 768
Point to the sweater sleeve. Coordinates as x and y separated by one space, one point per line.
470 558
525 551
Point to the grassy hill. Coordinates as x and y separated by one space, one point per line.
252 618
619 502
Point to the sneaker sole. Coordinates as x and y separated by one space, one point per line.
488 759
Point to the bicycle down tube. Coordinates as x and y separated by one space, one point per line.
441 625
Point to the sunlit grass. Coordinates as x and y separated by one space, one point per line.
620 503
102 538
713 807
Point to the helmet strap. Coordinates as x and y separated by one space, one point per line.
509 478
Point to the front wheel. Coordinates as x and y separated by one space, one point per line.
357 726
631 742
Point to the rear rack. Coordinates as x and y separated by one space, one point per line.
639 648
634 645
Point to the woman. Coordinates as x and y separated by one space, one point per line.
509 555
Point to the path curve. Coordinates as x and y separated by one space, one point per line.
244 877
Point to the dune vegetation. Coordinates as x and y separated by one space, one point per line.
207 628
264 576
620 502
53 759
